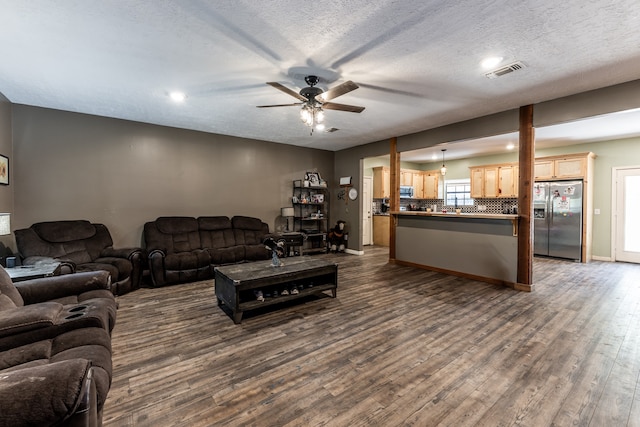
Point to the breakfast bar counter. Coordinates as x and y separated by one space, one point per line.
481 246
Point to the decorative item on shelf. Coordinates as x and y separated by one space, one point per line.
277 251
287 213
313 178
443 169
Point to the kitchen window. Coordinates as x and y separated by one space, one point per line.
459 189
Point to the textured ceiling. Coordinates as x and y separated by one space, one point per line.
417 61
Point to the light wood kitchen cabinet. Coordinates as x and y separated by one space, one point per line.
430 184
381 183
418 185
561 167
494 181
477 183
508 181
381 230
406 177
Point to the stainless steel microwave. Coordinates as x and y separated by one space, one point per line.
406 192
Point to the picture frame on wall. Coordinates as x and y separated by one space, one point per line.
4 170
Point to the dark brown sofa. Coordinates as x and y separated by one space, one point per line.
186 249
85 247
56 330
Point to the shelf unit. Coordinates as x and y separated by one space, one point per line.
311 215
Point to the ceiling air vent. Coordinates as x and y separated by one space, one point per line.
507 69
331 130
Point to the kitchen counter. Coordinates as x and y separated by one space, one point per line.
477 245
460 215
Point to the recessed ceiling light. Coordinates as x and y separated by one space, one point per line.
510 146
178 96
491 62
434 157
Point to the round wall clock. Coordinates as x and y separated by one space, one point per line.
353 194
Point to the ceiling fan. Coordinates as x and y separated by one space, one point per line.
314 100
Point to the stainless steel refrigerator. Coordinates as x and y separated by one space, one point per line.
557 224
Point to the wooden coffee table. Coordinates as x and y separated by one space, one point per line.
235 284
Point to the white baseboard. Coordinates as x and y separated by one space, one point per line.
353 252
602 258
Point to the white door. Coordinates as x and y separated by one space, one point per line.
367 205
627 206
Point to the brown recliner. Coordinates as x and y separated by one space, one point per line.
84 246
55 349
61 381
40 309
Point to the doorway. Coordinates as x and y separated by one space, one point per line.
367 205
626 205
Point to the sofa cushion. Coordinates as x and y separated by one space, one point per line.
9 295
176 224
64 231
229 255
187 260
211 223
247 223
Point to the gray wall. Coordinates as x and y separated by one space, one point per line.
123 174
6 191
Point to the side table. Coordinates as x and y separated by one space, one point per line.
27 272
292 240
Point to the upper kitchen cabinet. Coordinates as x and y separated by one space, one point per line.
381 183
406 177
508 180
494 181
430 184
418 185
563 167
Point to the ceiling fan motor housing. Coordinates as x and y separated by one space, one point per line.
310 92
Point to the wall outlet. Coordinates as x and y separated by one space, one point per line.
482 208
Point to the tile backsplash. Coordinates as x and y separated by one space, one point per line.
493 206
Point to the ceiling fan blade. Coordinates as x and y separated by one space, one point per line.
279 105
335 92
287 90
342 107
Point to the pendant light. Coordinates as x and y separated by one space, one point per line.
443 169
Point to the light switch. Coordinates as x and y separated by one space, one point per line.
596 211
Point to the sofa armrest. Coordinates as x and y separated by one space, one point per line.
63 393
156 267
49 288
28 318
120 252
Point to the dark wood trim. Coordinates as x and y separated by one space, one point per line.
525 190
394 183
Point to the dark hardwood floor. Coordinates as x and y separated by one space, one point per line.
398 346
